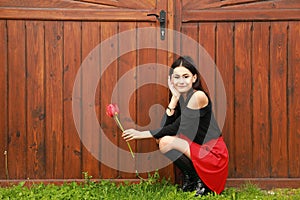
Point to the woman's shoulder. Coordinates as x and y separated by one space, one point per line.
198 100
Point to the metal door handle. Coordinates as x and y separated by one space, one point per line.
162 21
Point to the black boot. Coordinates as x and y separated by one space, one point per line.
201 189
185 164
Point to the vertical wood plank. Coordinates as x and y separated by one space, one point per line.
278 101
72 61
206 38
293 99
127 62
144 102
260 77
54 99
108 81
3 98
242 100
17 100
189 48
90 39
162 73
225 64
35 99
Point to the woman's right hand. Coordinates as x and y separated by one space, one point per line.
173 90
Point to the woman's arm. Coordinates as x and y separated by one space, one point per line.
132 134
198 100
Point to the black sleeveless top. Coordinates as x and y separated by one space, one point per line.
199 125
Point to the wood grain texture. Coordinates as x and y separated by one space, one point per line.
90 135
242 100
127 62
3 97
225 63
261 119
35 92
123 10
17 139
278 99
108 81
80 4
54 99
72 61
293 98
239 4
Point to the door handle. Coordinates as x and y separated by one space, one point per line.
162 22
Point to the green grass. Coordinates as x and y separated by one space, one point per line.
146 189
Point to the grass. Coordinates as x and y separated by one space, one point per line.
151 188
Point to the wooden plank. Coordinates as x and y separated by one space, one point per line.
75 14
261 118
108 81
81 4
242 100
35 99
54 99
189 43
206 58
162 72
17 100
293 99
72 61
240 4
225 64
278 101
144 101
3 99
207 4
127 62
90 131
240 15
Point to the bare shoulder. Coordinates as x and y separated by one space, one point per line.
198 100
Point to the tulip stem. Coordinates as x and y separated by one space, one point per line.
6 165
122 129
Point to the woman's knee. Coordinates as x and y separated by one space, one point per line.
165 143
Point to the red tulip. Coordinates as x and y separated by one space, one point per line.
112 110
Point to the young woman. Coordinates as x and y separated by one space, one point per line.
190 136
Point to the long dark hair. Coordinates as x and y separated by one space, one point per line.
188 63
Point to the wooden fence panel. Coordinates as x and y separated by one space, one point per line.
3 99
242 99
72 61
145 56
17 139
90 40
261 100
255 72
225 63
54 99
35 91
127 62
278 94
108 81
293 99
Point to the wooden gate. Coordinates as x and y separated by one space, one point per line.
43 44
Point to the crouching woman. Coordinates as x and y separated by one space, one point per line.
190 135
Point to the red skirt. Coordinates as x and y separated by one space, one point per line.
211 162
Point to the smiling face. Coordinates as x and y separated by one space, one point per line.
183 79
